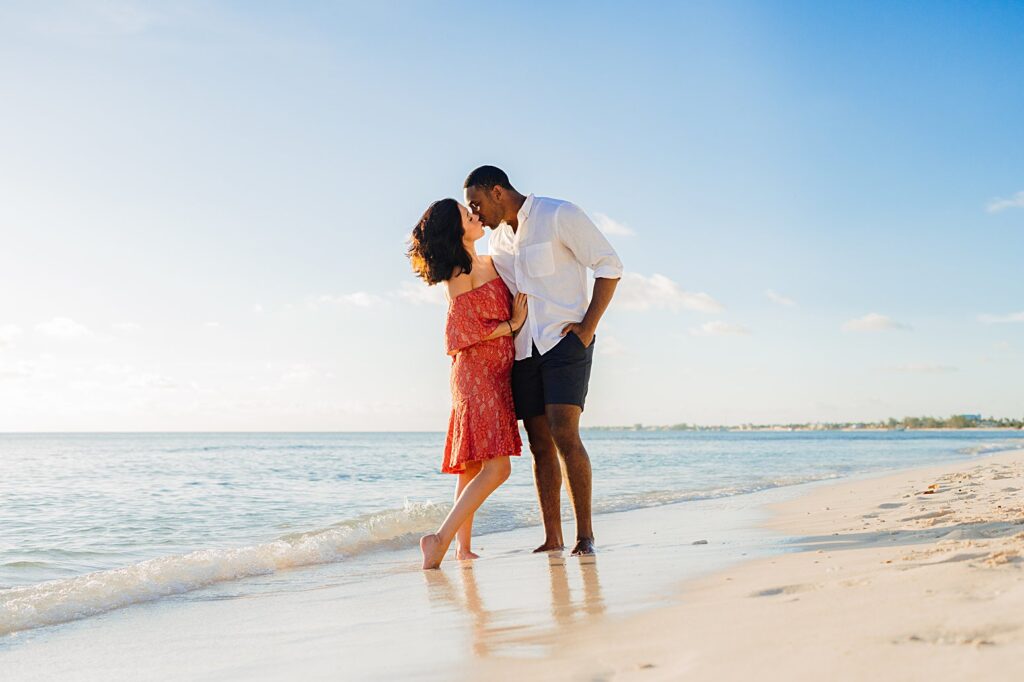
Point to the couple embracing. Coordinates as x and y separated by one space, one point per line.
520 330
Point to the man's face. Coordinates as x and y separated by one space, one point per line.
484 204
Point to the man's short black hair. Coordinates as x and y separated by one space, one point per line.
487 177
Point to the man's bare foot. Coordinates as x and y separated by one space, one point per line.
549 547
432 550
465 555
584 547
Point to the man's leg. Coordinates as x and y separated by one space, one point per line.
564 423
547 475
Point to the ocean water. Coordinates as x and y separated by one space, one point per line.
93 522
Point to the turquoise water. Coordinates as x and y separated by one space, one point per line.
96 521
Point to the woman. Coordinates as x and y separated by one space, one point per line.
482 318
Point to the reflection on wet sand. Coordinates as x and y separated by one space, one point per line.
505 631
443 593
563 609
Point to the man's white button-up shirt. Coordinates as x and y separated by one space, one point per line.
547 258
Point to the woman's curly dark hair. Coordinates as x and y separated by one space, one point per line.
435 247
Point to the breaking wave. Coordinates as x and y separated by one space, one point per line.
60 601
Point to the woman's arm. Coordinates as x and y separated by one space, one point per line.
457 338
511 326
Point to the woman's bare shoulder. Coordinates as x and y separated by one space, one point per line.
458 284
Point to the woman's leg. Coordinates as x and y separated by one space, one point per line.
493 473
464 536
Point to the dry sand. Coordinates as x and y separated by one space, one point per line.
914 576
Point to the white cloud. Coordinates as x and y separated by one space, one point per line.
408 292
1001 319
611 346
915 368
256 308
873 322
1001 350
719 328
151 380
421 294
8 332
997 205
212 325
612 227
297 372
126 326
20 370
636 292
360 299
64 328
778 298
101 19
109 368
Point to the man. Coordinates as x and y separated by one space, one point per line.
543 247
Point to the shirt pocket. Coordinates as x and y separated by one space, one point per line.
539 259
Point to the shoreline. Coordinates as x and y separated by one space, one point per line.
912 574
787 429
319 622
779 428
674 592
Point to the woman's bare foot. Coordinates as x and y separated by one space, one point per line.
432 550
465 555
549 547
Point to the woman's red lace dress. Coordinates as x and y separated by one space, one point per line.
483 420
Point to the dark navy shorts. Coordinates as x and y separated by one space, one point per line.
559 377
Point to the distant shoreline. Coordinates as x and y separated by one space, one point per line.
784 429
956 422
811 428
769 428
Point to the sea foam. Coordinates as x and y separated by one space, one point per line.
60 601
990 448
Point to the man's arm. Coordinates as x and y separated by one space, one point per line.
592 250
604 289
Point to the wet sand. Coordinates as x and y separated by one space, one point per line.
913 576
379 617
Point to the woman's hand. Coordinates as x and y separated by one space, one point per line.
518 312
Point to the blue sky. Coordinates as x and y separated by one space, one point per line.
203 206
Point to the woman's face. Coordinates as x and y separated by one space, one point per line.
472 228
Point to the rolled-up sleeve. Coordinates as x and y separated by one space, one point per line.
587 243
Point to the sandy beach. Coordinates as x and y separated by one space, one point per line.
908 575
915 575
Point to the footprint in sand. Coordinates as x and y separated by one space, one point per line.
948 638
785 589
956 558
929 515
1002 557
